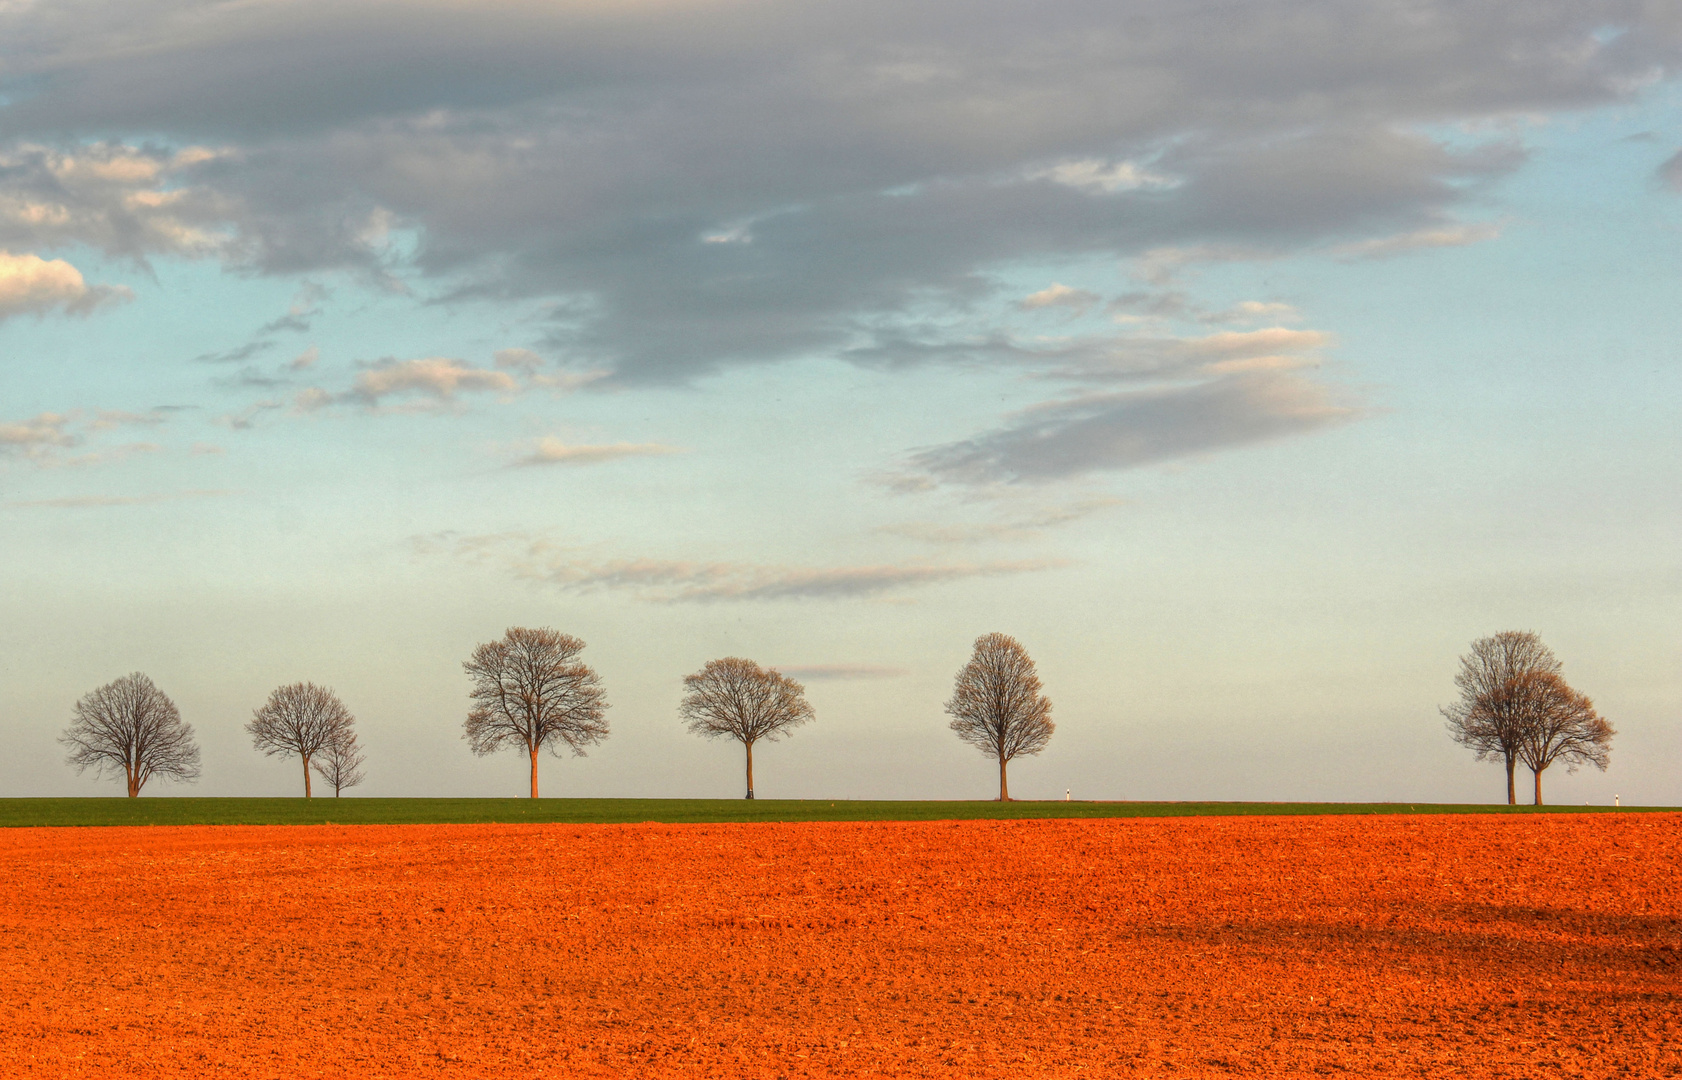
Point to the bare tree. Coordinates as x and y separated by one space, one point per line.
530 690
997 706
301 719
1491 718
737 699
1561 725
131 725
340 761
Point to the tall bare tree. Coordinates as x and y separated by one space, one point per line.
132 726
1491 716
997 706
301 719
530 690
1561 725
340 761
737 699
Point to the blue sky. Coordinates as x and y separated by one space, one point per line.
1245 368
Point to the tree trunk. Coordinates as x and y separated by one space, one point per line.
306 758
133 788
1512 795
534 772
1004 788
750 768
1538 775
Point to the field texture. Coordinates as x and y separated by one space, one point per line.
1466 946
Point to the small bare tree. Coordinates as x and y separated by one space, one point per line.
737 699
997 706
131 725
301 719
340 761
1491 717
530 690
1561 725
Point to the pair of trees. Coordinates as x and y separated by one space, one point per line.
311 722
1516 707
130 726
530 690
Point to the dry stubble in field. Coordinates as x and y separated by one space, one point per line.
1278 947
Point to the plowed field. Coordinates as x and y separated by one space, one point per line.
1373 946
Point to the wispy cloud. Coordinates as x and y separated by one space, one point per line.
1028 526
94 501
838 672
673 581
552 451
1418 240
1058 295
1100 432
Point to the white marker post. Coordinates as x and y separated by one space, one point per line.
1066 794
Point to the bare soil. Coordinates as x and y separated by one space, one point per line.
1482 946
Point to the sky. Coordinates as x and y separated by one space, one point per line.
1246 362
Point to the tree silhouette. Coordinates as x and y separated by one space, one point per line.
1560 725
301 719
1490 718
340 761
997 706
132 726
737 699
530 690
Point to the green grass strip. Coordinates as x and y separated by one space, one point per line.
16 813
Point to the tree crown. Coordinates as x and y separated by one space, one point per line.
996 703
736 698
531 690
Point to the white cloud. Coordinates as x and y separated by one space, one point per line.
552 451
1419 239
436 377
30 284
305 360
1060 295
1097 176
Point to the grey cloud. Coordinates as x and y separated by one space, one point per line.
1111 431
1671 171
866 160
672 581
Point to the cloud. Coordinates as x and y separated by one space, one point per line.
894 161
438 377
671 581
836 672
92 501
1417 240
1105 432
1030 526
30 437
552 451
1059 295
305 360
1095 175
1671 171
30 284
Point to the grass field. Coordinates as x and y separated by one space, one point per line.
21 813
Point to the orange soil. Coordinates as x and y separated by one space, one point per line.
1418 946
